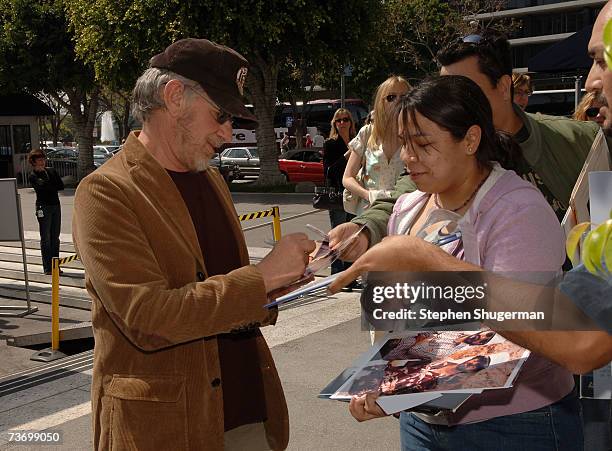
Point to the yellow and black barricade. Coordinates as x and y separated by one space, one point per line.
56 263
274 212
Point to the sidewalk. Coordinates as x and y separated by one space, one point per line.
311 343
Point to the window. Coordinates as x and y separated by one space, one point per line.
21 138
312 157
298 156
239 153
253 151
6 149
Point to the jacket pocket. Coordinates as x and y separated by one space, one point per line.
148 413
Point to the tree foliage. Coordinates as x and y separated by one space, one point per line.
118 37
37 55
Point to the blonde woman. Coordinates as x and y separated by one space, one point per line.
376 148
588 108
335 154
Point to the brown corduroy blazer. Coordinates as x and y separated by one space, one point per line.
155 313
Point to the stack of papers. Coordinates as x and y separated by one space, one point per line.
430 371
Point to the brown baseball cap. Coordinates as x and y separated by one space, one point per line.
220 71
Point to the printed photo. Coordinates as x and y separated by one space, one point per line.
437 362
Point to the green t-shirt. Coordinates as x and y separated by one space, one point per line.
524 170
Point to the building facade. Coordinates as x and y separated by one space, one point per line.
539 24
19 114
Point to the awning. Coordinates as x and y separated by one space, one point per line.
23 105
568 55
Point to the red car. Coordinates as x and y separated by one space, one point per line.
302 165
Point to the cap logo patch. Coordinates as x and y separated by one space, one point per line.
241 78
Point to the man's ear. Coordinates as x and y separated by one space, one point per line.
505 85
174 97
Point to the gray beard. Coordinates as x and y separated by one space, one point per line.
201 165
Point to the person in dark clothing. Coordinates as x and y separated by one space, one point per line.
46 182
335 156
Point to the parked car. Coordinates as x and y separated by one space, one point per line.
102 154
62 153
108 148
302 165
71 154
246 158
229 170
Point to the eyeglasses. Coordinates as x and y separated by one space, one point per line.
392 97
222 116
342 119
522 92
592 112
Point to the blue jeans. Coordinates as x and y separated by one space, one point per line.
597 423
337 217
49 226
557 427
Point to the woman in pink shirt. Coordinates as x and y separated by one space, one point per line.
450 147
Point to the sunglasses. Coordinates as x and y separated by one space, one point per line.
592 112
342 119
522 92
222 116
392 97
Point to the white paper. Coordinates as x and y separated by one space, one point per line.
399 403
598 159
600 195
306 289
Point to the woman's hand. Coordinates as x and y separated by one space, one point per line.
399 253
364 408
343 232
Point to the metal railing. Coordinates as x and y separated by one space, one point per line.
64 168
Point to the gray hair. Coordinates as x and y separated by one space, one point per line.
147 96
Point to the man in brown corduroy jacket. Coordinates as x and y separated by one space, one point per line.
180 362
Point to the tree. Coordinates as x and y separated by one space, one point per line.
305 32
37 55
295 83
411 32
119 103
52 125
118 38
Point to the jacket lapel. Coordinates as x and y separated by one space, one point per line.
152 179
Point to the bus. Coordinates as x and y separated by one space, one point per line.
320 113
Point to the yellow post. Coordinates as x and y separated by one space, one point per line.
55 304
276 227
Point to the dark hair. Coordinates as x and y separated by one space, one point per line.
480 362
455 103
35 154
479 339
490 47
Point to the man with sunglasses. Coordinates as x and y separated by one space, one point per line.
522 89
180 362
